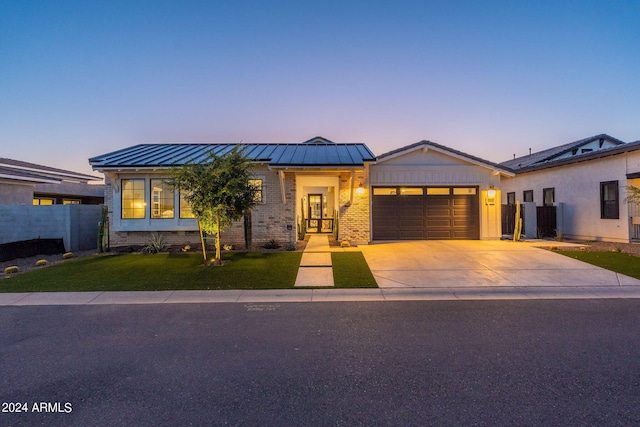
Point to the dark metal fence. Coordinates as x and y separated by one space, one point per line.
546 221
509 218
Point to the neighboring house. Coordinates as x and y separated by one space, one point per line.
23 183
41 202
587 180
317 183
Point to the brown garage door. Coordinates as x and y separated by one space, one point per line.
412 213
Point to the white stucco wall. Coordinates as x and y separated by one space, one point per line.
578 187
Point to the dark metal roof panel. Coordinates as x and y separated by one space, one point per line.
282 155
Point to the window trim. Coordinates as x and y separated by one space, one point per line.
615 204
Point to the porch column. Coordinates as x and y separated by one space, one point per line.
282 192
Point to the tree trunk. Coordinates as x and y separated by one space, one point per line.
248 234
218 260
204 248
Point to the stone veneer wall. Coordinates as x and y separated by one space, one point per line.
354 220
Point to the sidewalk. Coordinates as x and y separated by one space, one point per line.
319 295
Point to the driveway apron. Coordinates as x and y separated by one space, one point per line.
473 263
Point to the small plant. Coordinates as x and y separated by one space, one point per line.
155 245
41 263
67 255
345 244
186 248
227 247
617 249
13 269
291 246
272 244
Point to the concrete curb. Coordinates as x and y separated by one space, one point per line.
320 295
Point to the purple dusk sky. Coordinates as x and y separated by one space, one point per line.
491 78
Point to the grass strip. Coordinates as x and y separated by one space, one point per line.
350 270
619 262
137 272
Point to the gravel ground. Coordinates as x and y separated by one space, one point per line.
627 248
29 263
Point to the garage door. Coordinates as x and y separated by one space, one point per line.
411 213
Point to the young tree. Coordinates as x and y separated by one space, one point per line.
218 192
633 194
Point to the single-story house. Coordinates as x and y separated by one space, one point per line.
422 191
587 180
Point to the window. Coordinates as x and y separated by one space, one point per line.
460 191
185 208
609 207
258 196
527 195
43 201
438 191
411 191
384 191
511 198
133 204
548 196
70 202
161 199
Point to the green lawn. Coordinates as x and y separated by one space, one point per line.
350 270
619 262
137 272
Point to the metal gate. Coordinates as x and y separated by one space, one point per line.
509 218
546 221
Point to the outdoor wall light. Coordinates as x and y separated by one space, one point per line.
360 189
491 193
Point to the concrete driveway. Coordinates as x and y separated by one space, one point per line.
474 263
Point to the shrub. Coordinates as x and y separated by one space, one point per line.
11 269
272 244
227 247
156 244
186 248
67 255
41 263
291 246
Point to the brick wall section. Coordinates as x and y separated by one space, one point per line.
270 219
354 220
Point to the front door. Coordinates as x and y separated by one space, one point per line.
315 213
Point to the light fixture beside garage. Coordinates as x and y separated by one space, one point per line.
360 189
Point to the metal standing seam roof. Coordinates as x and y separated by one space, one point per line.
550 154
317 152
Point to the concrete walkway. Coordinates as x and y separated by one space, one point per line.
315 266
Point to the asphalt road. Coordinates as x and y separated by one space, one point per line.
323 364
